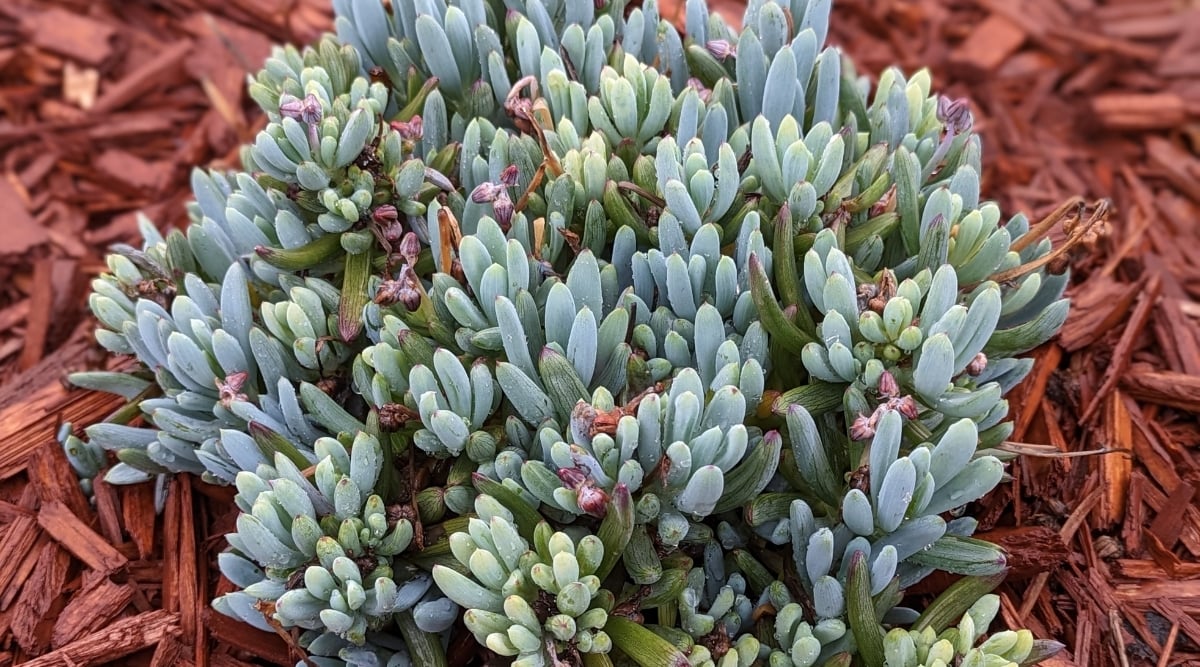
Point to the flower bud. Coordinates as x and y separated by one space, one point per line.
311 111
862 428
502 207
290 106
593 500
704 93
977 365
401 290
508 177
411 130
887 385
486 192
410 247
230 389
385 215
720 48
573 478
956 114
907 406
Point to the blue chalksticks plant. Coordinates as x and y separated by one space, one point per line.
534 329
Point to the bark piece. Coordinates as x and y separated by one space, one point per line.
91 609
21 231
70 34
989 44
116 641
39 593
68 530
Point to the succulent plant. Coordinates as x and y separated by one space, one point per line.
538 326
961 645
323 553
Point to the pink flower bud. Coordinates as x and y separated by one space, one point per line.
411 130
508 177
573 478
486 192
907 407
229 390
720 48
410 247
385 214
311 111
503 208
887 385
593 500
290 106
977 365
401 290
863 427
704 93
956 114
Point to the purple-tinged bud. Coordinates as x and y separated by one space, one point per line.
887 385
410 130
704 93
906 406
388 292
573 478
593 500
401 290
720 48
503 207
508 177
387 220
229 389
290 106
956 114
863 427
311 110
385 214
410 247
977 365
486 192
410 298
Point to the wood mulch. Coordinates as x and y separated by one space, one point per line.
104 107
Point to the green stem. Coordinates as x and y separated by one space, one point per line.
643 646
424 647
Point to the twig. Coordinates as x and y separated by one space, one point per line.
1076 236
1048 452
267 609
641 192
1114 622
1168 646
1047 223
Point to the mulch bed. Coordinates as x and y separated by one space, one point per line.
104 108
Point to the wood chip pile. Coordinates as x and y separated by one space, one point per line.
105 106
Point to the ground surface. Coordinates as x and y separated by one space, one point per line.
104 106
